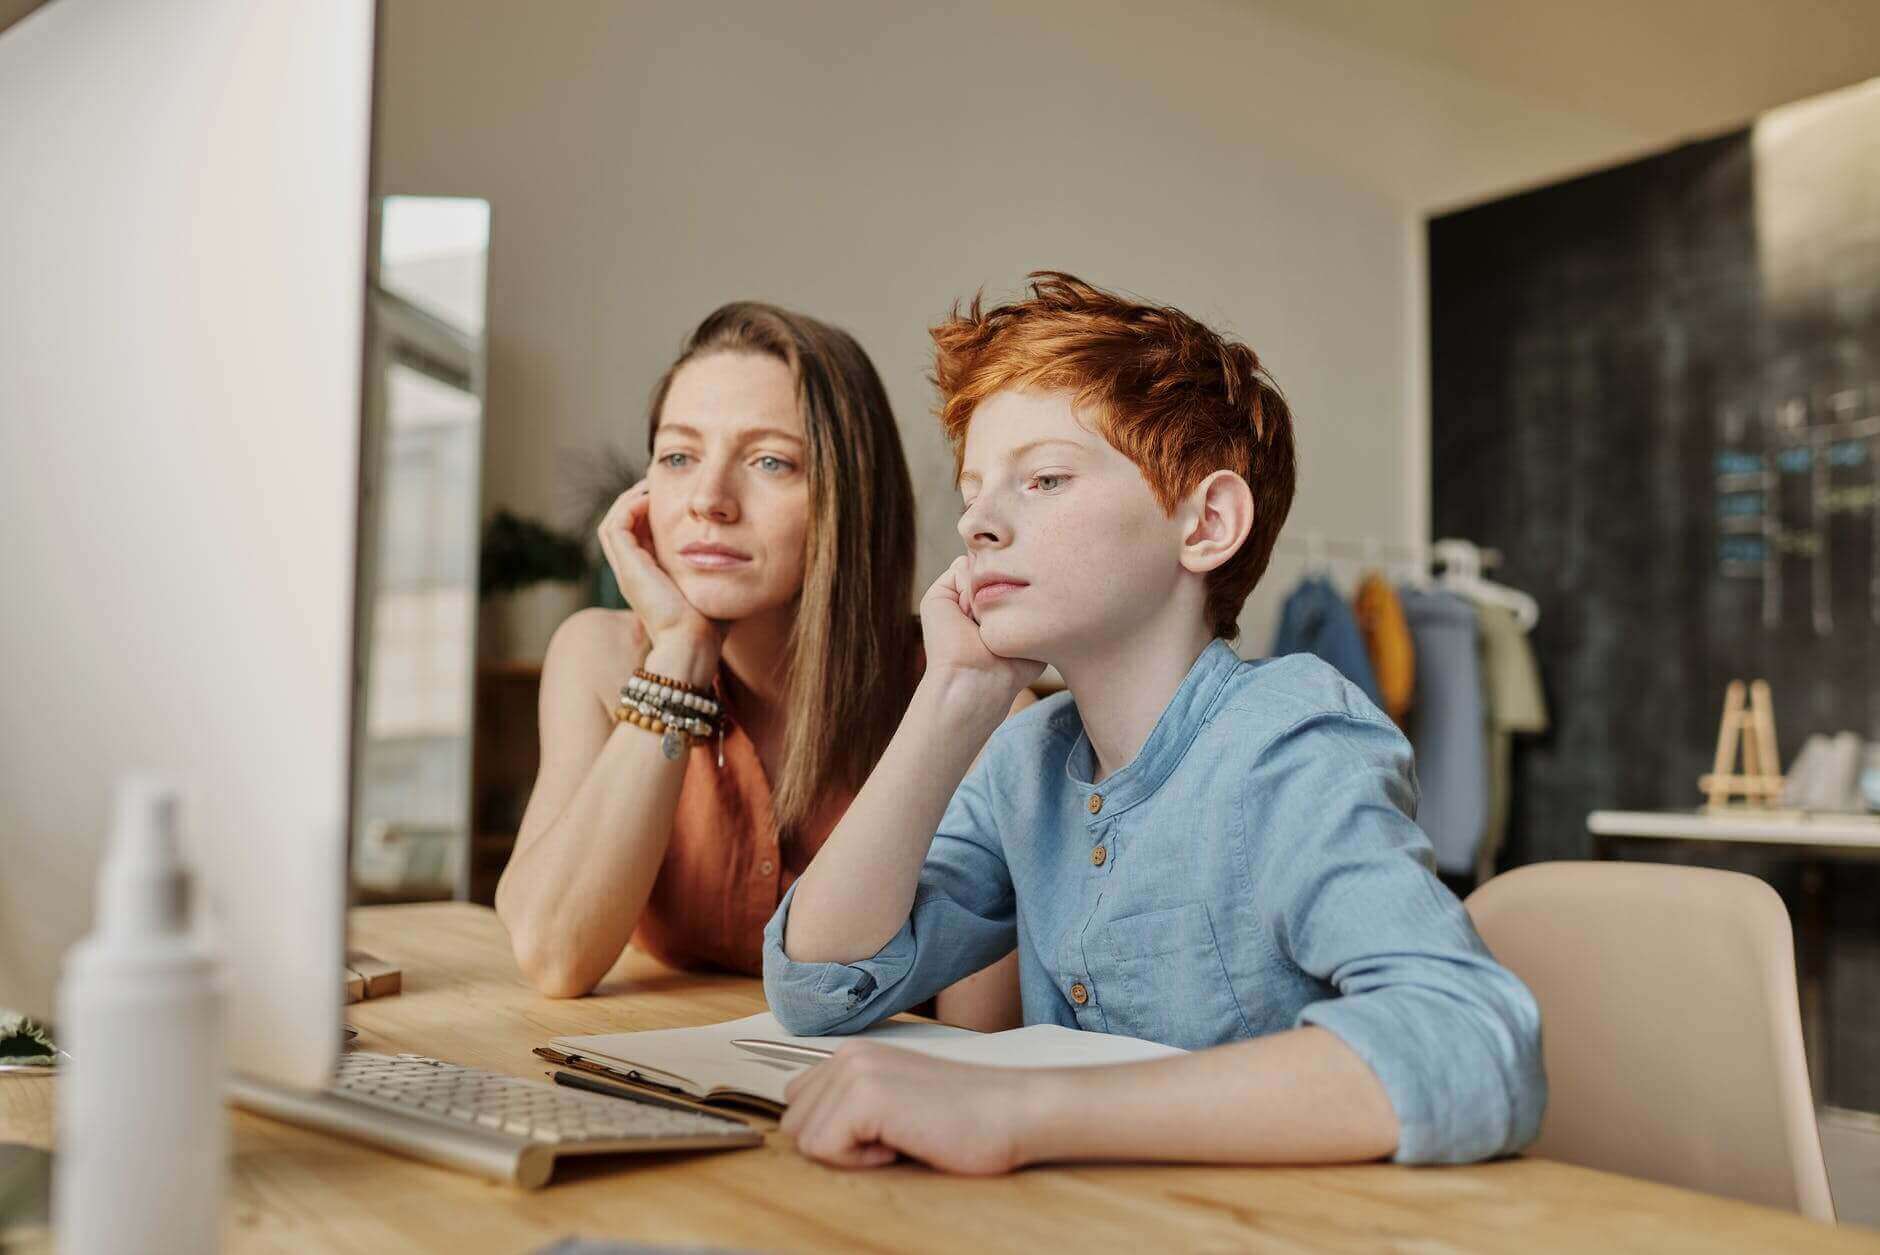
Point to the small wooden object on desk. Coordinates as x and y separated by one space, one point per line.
367 977
1754 724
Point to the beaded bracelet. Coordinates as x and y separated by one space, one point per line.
641 673
678 713
670 693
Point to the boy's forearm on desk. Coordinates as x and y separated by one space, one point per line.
858 891
1301 1096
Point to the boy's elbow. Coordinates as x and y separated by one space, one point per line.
799 1012
801 1021
1530 1085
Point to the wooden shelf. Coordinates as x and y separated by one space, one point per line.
508 669
504 759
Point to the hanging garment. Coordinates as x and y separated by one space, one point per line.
1447 725
1316 620
1511 683
1387 641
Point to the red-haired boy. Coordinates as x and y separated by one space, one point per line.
1213 854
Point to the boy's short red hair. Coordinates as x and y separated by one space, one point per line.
1172 396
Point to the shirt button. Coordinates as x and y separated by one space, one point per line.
1079 994
1098 855
766 867
1096 803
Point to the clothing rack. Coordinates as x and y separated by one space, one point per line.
1316 546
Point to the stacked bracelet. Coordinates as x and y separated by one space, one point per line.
680 713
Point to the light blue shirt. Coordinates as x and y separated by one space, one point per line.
1255 868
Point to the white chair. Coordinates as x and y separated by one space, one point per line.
1669 1023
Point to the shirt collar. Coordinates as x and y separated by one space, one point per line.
1168 741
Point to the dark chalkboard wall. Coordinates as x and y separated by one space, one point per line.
1681 469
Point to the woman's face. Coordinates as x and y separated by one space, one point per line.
728 492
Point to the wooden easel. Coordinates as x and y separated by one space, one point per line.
1754 723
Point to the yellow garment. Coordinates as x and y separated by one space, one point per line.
1387 640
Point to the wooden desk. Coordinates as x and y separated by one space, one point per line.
292 1190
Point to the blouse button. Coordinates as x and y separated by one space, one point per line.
1096 803
767 867
1079 994
1097 855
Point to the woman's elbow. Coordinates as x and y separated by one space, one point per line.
553 977
545 962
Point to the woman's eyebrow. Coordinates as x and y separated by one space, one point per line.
744 435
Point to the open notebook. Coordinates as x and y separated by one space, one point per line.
702 1064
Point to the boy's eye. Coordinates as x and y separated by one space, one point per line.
1047 483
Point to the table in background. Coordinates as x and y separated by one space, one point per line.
295 1190
1811 837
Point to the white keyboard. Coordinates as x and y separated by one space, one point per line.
498 1126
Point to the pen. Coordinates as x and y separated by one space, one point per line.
783 1050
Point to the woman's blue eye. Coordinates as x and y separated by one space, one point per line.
769 463
673 460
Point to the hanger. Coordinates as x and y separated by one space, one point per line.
1462 573
1318 555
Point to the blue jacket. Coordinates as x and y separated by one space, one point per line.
1316 620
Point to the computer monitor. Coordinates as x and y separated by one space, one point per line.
182 285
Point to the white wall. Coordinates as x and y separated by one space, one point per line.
1261 163
870 166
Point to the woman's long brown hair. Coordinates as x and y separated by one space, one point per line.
852 648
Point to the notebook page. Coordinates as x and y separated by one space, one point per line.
699 1060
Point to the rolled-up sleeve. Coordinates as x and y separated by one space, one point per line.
963 918
1352 897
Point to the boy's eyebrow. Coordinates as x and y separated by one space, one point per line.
747 433
1028 447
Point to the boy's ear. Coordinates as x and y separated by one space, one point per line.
1216 518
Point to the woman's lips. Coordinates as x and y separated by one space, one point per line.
713 558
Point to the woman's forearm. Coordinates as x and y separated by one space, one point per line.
1301 1096
859 889
575 886
588 855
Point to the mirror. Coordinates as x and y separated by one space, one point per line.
420 497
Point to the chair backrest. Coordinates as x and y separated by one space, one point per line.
1669 1024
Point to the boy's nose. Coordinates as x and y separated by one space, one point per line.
982 531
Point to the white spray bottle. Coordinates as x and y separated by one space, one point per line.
143 1139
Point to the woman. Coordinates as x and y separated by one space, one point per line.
698 748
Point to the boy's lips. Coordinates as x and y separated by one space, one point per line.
990 589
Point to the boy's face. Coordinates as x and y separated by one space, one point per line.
1067 546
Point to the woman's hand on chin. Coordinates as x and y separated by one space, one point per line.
955 649
685 644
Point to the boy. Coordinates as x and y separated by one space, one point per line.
1213 854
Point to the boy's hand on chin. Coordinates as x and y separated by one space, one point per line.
954 645
871 1102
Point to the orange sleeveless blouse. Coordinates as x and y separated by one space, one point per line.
726 867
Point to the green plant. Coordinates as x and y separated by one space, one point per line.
519 552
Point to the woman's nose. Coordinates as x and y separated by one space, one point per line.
713 497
